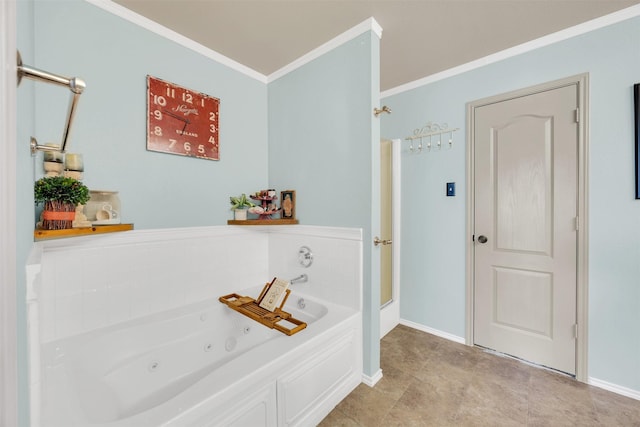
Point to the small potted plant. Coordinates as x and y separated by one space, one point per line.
60 196
240 205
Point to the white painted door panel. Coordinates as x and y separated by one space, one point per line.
526 205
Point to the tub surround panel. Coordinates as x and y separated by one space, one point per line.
85 288
256 409
326 370
98 283
334 270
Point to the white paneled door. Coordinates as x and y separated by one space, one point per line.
525 241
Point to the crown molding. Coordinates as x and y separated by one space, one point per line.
586 27
369 24
141 21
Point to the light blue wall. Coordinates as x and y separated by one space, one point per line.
324 142
433 248
113 56
318 119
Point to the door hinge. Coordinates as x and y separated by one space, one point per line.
577 115
575 331
577 223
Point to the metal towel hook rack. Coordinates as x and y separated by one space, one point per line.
75 85
429 131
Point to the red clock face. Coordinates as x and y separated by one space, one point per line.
181 121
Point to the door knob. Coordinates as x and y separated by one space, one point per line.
482 239
377 241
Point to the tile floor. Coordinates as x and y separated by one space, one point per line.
431 381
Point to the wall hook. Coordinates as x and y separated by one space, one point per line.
384 109
431 130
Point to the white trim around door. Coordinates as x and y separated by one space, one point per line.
582 297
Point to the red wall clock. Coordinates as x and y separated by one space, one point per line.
181 121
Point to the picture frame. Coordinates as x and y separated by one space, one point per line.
288 204
636 116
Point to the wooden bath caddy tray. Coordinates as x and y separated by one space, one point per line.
251 308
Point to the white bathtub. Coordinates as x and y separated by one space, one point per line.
204 365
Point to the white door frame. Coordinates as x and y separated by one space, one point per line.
390 313
8 303
582 297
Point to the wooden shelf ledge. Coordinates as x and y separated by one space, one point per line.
39 234
286 221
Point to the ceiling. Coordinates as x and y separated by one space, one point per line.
420 37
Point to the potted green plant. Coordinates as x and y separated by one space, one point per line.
60 196
239 206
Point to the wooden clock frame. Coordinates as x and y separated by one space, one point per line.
182 121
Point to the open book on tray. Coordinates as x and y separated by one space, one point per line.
273 296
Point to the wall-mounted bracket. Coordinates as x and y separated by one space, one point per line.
75 85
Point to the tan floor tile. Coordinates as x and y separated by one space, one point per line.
614 409
424 406
338 419
394 382
560 400
430 381
366 406
493 402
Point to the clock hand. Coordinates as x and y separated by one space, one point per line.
184 119
176 116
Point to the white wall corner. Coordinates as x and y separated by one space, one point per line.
373 379
375 27
369 24
8 220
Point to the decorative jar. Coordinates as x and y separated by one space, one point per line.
103 207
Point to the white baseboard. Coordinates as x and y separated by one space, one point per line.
615 388
432 331
372 380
